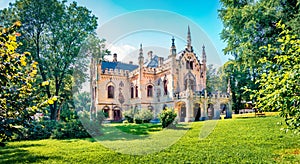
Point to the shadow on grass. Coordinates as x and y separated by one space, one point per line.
16 154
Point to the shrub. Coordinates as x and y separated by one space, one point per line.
71 129
143 116
129 115
167 116
38 130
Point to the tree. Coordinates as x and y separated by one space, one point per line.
94 49
53 33
249 25
19 96
279 85
216 81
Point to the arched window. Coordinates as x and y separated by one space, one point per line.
189 83
150 108
136 91
191 65
110 91
165 86
132 92
106 111
150 91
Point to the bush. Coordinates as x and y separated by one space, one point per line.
70 126
129 115
38 130
71 129
167 116
143 116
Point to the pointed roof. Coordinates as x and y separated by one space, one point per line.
189 40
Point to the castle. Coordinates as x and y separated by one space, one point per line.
177 82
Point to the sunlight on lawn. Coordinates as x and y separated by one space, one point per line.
127 143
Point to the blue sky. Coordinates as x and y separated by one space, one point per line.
202 13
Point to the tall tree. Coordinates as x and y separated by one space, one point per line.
19 95
215 81
279 86
94 49
53 32
249 25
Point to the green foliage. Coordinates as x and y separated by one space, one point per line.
129 115
92 124
68 115
279 85
215 80
248 25
167 117
19 96
82 101
254 140
53 32
38 130
141 116
70 129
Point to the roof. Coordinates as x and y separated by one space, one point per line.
153 63
118 65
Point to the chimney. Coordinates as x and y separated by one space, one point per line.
115 57
160 61
130 62
150 53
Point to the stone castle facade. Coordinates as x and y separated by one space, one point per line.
177 82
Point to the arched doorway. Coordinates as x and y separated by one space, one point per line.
210 111
117 113
105 111
223 108
182 113
197 112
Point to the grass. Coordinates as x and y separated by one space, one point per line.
139 129
253 140
250 115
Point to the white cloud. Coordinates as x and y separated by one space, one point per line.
124 52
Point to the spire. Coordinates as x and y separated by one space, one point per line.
141 49
173 42
203 54
141 57
189 40
173 47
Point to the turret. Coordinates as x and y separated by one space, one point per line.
141 57
203 55
173 47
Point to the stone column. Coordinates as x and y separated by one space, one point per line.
217 107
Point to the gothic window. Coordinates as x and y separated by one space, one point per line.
165 85
110 91
106 111
191 65
149 91
187 65
136 91
132 92
191 84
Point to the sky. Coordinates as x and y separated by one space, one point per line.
128 23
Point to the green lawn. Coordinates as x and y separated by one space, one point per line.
252 140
